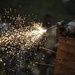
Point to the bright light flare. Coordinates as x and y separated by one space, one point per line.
24 36
41 30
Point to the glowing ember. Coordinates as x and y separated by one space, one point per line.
24 36
16 43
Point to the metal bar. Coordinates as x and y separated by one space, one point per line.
51 27
49 65
47 49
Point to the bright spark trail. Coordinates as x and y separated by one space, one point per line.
26 38
16 45
23 36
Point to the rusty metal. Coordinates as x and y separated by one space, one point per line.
65 57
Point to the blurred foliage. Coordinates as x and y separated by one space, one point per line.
59 9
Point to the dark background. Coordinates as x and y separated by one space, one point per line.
59 9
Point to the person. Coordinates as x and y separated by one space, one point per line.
3 25
69 30
49 57
51 32
47 22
